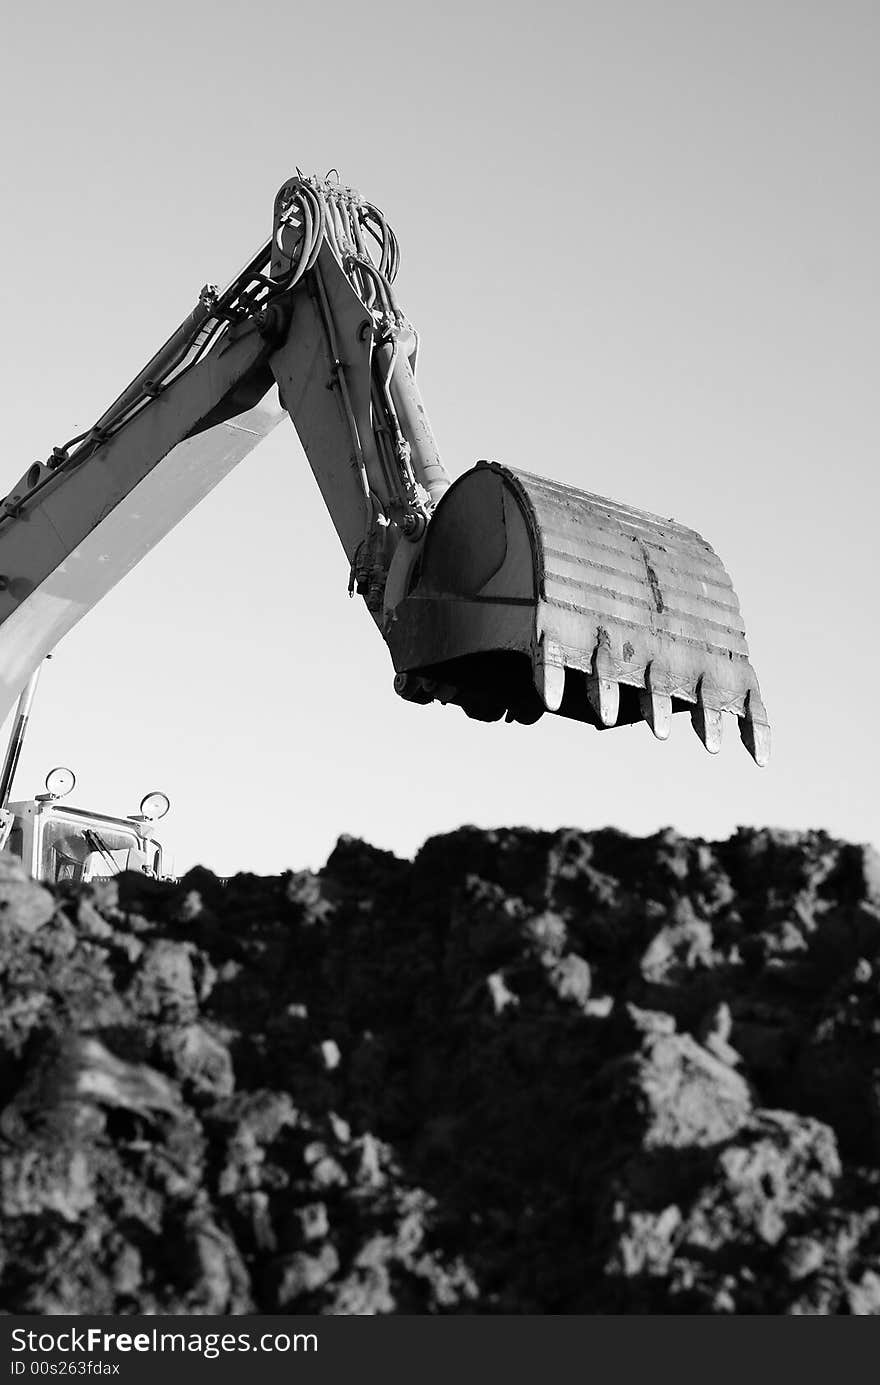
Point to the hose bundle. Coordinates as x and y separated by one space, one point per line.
312 210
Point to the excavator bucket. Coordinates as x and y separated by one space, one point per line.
531 596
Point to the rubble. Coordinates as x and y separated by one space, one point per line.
528 1072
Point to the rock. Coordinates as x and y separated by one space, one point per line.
549 934
803 1256
24 905
126 1272
571 979
636 1075
329 1173
864 1298
218 1279
501 994
46 1182
734 1208
649 1022
679 947
164 985
714 1033
200 1061
787 1165
680 1095
308 893
99 1077
303 1274
313 1221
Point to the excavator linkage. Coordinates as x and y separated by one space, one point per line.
502 592
530 595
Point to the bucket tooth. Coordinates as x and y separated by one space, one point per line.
656 702
603 689
754 730
706 717
549 672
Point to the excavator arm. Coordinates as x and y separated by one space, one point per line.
504 593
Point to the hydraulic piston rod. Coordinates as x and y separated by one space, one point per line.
16 740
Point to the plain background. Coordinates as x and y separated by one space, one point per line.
640 243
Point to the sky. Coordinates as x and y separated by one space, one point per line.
639 241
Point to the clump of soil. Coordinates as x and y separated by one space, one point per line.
529 1072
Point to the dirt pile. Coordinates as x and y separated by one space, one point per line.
528 1072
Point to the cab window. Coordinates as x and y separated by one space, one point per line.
71 851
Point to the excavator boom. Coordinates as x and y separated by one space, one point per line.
504 593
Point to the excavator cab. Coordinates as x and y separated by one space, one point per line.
56 843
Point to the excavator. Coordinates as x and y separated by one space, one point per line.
503 592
